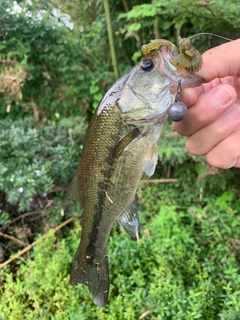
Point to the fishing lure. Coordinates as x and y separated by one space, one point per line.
156 44
189 57
185 56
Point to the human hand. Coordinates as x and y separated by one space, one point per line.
212 124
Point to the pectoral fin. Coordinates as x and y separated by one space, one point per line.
125 142
129 220
151 162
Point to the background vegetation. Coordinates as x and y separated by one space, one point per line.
55 66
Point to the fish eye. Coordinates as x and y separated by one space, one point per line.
146 65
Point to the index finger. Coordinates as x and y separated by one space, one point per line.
221 61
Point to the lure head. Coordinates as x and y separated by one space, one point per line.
177 111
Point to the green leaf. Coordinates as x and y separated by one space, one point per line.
134 27
93 89
180 23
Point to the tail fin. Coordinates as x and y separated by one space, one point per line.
93 274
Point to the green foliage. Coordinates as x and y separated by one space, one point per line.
39 287
171 148
185 266
167 19
4 218
60 63
67 71
33 159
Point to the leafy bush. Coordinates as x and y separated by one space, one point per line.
168 19
34 159
186 266
60 63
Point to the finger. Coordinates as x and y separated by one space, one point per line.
226 154
202 141
236 163
221 61
189 96
210 106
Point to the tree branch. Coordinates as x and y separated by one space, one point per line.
30 246
7 236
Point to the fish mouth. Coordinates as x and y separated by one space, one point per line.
176 75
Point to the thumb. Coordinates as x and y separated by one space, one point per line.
221 61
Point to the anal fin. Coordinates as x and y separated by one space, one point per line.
129 220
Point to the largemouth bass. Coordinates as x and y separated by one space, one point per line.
121 144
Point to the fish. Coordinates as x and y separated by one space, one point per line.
120 145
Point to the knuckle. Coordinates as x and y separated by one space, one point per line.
218 131
214 161
180 129
193 148
217 161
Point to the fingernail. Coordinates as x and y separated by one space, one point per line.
233 113
221 96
